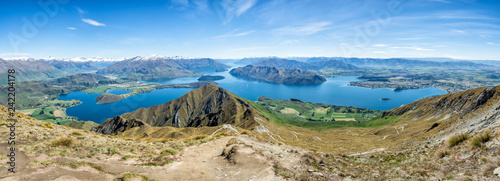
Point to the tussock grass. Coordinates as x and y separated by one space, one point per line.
76 133
441 152
112 151
170 151
157 164
47 125
457 139
67 142
478 140
133 176
126 157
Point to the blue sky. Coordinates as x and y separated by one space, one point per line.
463 29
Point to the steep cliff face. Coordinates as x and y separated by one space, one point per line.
278 75
207 106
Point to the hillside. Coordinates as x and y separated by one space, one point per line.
33 93
409 63
278 75
466 111
293 64
206 106
409 146
43 69
28 70
72 66
80 81
211 77
162 67
253 60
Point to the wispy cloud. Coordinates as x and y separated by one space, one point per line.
303 30
13 54
234 8
81 11
181 2
405 39
441 1
458 31
380 52
202 5
71 28
234 33
380 45
92 22
290 42
413 48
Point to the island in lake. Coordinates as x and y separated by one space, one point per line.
211 77
278 75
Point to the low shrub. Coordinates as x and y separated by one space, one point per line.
441 153
478 140
67 142
457 139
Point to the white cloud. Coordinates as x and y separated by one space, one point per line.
380 52
290 42
92 22
14 54
71 28
81 11
309 29
181 2
441 1
413 48
234 33
202 5
415 38
490 43
235 8
245 6
458 31
380 45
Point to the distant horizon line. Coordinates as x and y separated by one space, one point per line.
100 58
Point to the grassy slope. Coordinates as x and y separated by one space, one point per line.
293 120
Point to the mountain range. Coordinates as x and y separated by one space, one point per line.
162 67
293 64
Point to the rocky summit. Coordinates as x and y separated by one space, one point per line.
207 106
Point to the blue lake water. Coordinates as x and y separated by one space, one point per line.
334 91
118 91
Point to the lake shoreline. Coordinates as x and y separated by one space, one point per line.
335 91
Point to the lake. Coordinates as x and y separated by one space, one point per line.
334 91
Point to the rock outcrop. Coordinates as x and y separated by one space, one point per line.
118 124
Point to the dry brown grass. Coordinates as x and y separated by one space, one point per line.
440 153
478 140
64 141
457 139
